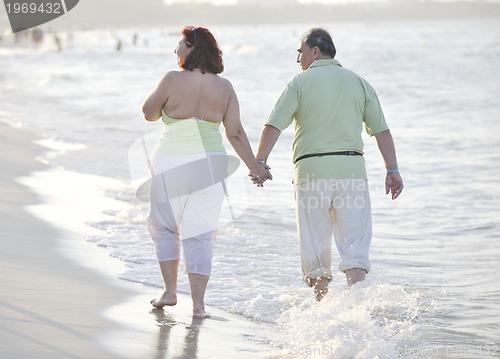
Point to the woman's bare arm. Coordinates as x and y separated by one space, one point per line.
155 102
239 140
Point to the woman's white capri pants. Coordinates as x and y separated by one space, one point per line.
184 205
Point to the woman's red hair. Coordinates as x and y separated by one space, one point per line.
206 54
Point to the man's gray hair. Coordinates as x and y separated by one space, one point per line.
321 38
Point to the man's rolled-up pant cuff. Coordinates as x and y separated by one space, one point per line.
316 274
355 264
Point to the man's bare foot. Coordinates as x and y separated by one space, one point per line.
320 288
200 313
165 299
354 276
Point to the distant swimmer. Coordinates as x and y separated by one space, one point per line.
37 35
57 41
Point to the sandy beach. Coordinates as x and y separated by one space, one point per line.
52 307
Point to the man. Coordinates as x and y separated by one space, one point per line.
329 106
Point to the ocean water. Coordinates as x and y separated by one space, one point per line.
433 290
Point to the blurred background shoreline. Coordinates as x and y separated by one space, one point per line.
95 14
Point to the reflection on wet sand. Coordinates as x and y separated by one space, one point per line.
173 332
166 322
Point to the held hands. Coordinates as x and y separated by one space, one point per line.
394 184
260 174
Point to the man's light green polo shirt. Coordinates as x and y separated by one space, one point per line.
329 106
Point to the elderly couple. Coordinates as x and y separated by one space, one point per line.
329 106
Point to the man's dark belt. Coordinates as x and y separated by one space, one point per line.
340 153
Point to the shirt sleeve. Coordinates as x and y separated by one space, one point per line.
284 111
374 118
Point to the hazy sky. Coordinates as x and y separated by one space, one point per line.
218 2
233 2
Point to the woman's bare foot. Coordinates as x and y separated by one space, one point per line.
165 299
198 284
200 313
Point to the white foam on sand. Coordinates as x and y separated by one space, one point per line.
60 146
69 201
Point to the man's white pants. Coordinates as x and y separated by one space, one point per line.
341 207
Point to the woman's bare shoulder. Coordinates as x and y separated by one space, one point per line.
173 75
225 83
169 78
224 80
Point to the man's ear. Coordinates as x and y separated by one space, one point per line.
316 51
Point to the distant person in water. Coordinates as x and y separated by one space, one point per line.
192 104
119 45
37 35
329 106
57 41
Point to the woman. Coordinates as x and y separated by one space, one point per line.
192 103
